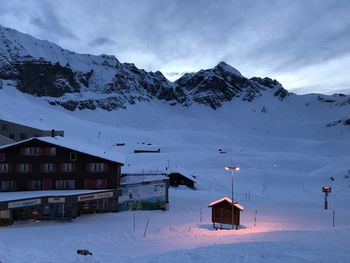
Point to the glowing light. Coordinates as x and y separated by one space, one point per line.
232 168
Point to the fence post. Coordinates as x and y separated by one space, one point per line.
144 234
256 211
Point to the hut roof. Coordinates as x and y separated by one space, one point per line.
184 173
229 200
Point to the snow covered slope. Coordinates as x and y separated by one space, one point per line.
285 155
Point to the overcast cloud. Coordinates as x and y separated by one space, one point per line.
304 44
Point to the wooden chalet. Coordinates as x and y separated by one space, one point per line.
56 163
51 178
225 211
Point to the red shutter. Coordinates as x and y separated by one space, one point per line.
29 185
88 167
30 167
104 183
9 167
17 168
22 151
13 185
105 167
41 151
42 167
54 167
46 151
47 184
73 167
93 184
61 167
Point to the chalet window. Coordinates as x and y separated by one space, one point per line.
95 184
97 167
2 157
24 168
4 127
6 185
23 136
68 167
34 185
51 151
4 168
48 167
101 183
65 184
12 136
73 156
32 151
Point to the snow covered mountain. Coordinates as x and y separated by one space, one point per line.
84 81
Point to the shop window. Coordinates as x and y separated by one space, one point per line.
2 157
73 156
46 210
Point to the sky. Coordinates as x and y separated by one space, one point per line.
304 44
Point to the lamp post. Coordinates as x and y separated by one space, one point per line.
232 169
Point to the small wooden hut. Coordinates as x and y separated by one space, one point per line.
226 211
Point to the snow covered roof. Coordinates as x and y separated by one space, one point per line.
75 146
9 196
228 200
134 179
39 125
184 172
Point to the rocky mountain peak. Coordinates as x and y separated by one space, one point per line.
78 81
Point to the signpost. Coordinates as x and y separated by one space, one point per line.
326 189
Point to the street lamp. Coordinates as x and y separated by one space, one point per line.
232 169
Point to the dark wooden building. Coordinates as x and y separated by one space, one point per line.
56 163
179 177
224 211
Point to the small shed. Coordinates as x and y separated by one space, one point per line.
226 211
182 177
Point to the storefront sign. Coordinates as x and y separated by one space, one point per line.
56 200
24 203
82 198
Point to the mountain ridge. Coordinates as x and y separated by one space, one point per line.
82 81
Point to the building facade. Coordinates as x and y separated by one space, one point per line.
55 164
18 132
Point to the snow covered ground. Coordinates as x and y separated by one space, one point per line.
285 155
